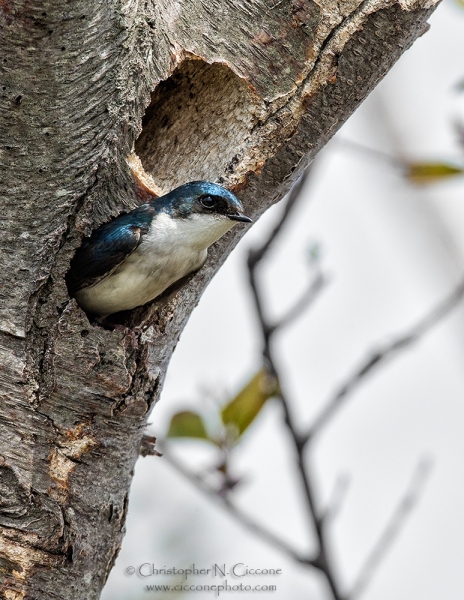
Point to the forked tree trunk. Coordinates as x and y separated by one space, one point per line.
241 92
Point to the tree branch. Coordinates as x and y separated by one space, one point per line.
257 254
338 496
319 520
380 356
372 153
393 527
255 257
224 501
307 298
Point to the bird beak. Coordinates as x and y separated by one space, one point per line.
240 217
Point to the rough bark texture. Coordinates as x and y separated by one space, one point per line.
235 91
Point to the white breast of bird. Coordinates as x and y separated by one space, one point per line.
170 250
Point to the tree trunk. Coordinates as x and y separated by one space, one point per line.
240 92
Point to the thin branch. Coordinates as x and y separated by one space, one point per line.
391 531
148 446
388 351
256 255
307 298
371 152
459 128
294 195
224 501
322 560
337 498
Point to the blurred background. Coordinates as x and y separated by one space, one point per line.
392 250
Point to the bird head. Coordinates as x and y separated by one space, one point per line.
205 198
206 209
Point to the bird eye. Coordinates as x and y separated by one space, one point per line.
207 202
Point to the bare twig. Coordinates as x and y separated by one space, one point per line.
147 446
322 561
390 533
256 255
371 152
388 351
224 501
293 197
459 128
307 298
338 496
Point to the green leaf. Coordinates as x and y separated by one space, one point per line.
429 172
244 408
187 424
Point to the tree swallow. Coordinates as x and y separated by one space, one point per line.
136 256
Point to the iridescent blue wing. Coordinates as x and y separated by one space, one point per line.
103 251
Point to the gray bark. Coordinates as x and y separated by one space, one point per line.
249 92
